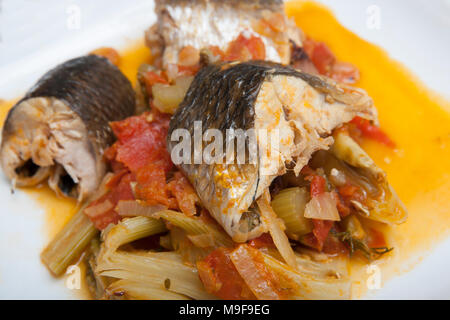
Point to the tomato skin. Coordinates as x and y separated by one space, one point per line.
184 194
317 185
371 131
221 278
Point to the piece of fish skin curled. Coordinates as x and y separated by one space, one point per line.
204 23
60 128
302 109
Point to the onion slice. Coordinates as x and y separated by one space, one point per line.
205 240
255 277
98 209
132 208
322 207
276 229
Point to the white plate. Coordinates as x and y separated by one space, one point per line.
36 35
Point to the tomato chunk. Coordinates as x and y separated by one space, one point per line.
244 49
371 131
220 277
263 241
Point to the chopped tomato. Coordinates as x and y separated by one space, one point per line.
334 246
326 64
371 131
316 239
140 156
220 277
342 207
188 70
188 56
216 51
122 191
152 185
141 141
184 194
321 228
244 49
323 58
308 47
317 182
150 78
263 241
109 53
317 185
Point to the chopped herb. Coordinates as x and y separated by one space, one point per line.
355 245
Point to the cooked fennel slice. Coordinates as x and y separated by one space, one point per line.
69 243
312 280
141 291
290 205
151 269
131 229
154 269
196 226
383 204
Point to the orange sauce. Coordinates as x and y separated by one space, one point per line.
417 119
412 115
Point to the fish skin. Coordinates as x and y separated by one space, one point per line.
197 23
225 97
77 99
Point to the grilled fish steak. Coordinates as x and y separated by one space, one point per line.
299 109
204 23
60 129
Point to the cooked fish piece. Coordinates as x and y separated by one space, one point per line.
204 23
298 109
60 129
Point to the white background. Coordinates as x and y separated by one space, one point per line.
38 34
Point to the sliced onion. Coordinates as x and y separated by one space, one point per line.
132 208
276 230
322 207
256 279
98 209
205 240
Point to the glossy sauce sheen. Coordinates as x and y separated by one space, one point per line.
413 116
